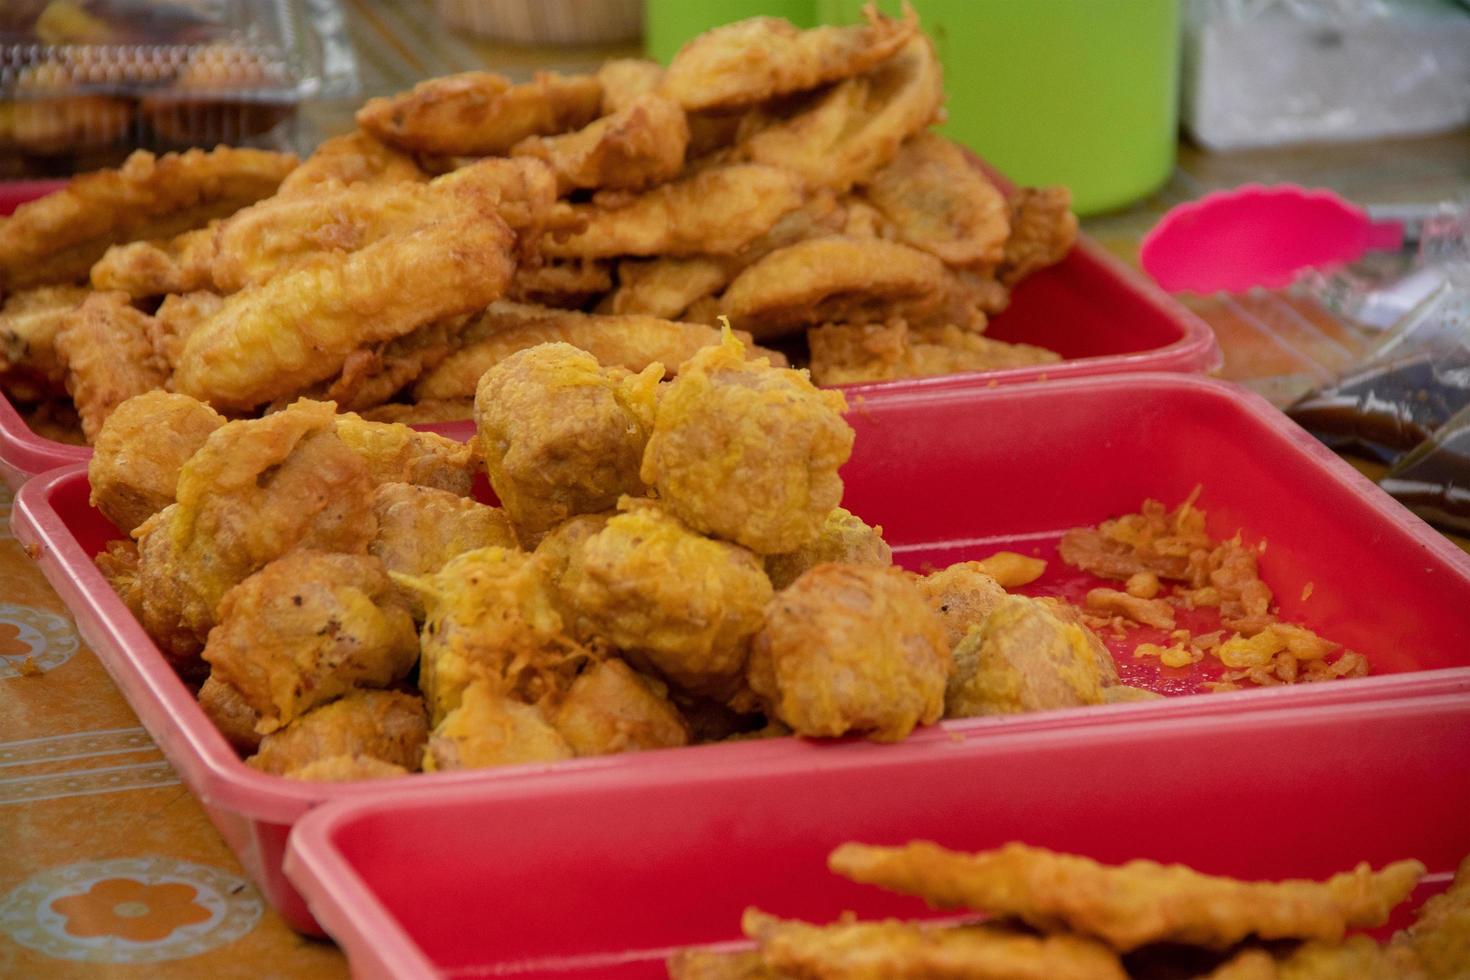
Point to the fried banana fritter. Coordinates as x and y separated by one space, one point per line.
754 60
181 264
1130 905
346 768
29 323
844 538
57 238
666 287
963 595
612 708
568 285
227 708
623 80
480 113
1043 230
561 435
491 617
640 144
137 455
307 628
109 357
851 649
718 464
488 728
863 353
895 950
629 342
420 528
354 158
1439 940
398 454
1025 656
681 603
389 726
176 318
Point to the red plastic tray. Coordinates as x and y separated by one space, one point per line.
603 878
1101 315
950 474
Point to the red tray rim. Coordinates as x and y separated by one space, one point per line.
215 773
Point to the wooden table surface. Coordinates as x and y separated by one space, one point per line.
92 818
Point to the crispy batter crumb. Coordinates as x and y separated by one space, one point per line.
29 668
1013 570
1149 612
1307 591
1143 585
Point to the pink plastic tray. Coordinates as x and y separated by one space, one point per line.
605 877
950 474
1101 315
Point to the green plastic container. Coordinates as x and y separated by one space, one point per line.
667 24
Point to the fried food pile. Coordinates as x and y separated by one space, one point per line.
1063 916
1169 563
787 179
669 563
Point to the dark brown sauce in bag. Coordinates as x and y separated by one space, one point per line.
1434 480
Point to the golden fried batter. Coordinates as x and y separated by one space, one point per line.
717 210
717 460
354 158
566 285
57 238
690 964
629 342
420 528
490 729
844 538
842 136
963 595
935 199
29 323
863 353
346 768
623 80
118 563
612 708
398 454
106 347
666 287
479 113
895 950
231 714
753 60
181 264
255 490
642 143
1012 569
851 648
372 375
307 628
170 602
681 603
491 617
175 319
422 413
1357 958
1043 229
562 435
386 725
139 451
1439 940
1026 657
1133 904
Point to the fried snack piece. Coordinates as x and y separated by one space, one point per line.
479 113
717 210
231 714
1043 230
851 648
612 708
682 604
421 528
1148 612
491 616
623 80
567 285
106 347
169 601
963 595
665 287
1012 569
139 451
55 419
1439 940
935 199
895 950
631 342
272 340
692 964
57 238
640 144
753 60
1356 958
372 375
180 264
29 323
748 452
389 726
562 435
488 729
844 538
1132 904
863 353
834 278
118 563
1026 657
307 628
423 413
398 454
346 768
353 158
842 136
257 489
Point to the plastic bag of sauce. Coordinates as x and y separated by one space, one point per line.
1434 479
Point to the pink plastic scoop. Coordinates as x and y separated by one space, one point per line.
1262 236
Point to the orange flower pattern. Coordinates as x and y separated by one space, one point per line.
10 642
130 910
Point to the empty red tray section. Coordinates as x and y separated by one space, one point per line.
951 475
604 878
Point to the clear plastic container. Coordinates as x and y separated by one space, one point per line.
82 82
